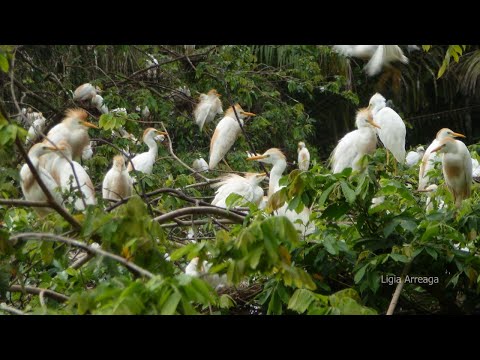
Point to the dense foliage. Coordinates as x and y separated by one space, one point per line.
300 93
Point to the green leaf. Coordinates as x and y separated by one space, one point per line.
301 300
347 192
399 258
4 66
360 273
325 195
170 306
432 252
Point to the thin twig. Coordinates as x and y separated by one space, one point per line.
37 291
57 238
200 210
398 289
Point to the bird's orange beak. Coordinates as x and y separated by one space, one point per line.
90 125
258 157
458 135
262 174
248 113
374 124
161 132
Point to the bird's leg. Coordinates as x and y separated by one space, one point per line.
395 167
386 150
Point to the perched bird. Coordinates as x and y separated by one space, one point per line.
216 281
428 160
413 157
200 165
97 101
64 175
30 188
456 167
225 134
276 158
354 145
248 187
391 130
303 156
207 108
117 183
144 162
85 92
35 130
379 56
74 130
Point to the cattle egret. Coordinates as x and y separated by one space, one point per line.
117 183
248 187
207 108
303 157
144 162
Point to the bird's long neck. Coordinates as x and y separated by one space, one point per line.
377 108
275 175
152 146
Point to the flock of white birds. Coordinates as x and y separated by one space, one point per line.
56 157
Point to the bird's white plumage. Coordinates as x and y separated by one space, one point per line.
200 165
215 280
225 135
432 194
429 158
208 107
97 101
35 130
354 145
413 157
144 162
303 157
64 175
87 152
475 168
392 130
84 92
117 183
247 187
30 188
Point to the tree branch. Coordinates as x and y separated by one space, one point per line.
201 210
10 309
57 238
36 291
398 289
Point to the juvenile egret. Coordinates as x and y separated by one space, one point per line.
207 108
74 130
457 168
392 130
225 134
64 175
354 145
248 187
117 183
30 188
144 162
428 160
34 132
276 158
200 165
379 56
216 281
85 92
413 157
97 101
303 156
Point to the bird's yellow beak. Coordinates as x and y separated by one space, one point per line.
374 124
258 157
458 135
161 132
248 113
262 174
87 124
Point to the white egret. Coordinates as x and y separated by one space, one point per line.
475 168
456 167
303 156
276 158
97 101
64 175
215 280
200 165
226 133
85 92
428 160
379 56
74 130
354 145
392 130
144 162
207 108
432 190
117 183
413 157
30 188
248 187
35 130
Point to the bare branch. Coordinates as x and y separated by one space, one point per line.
36 291
57 238
10 309
201 210
398 289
